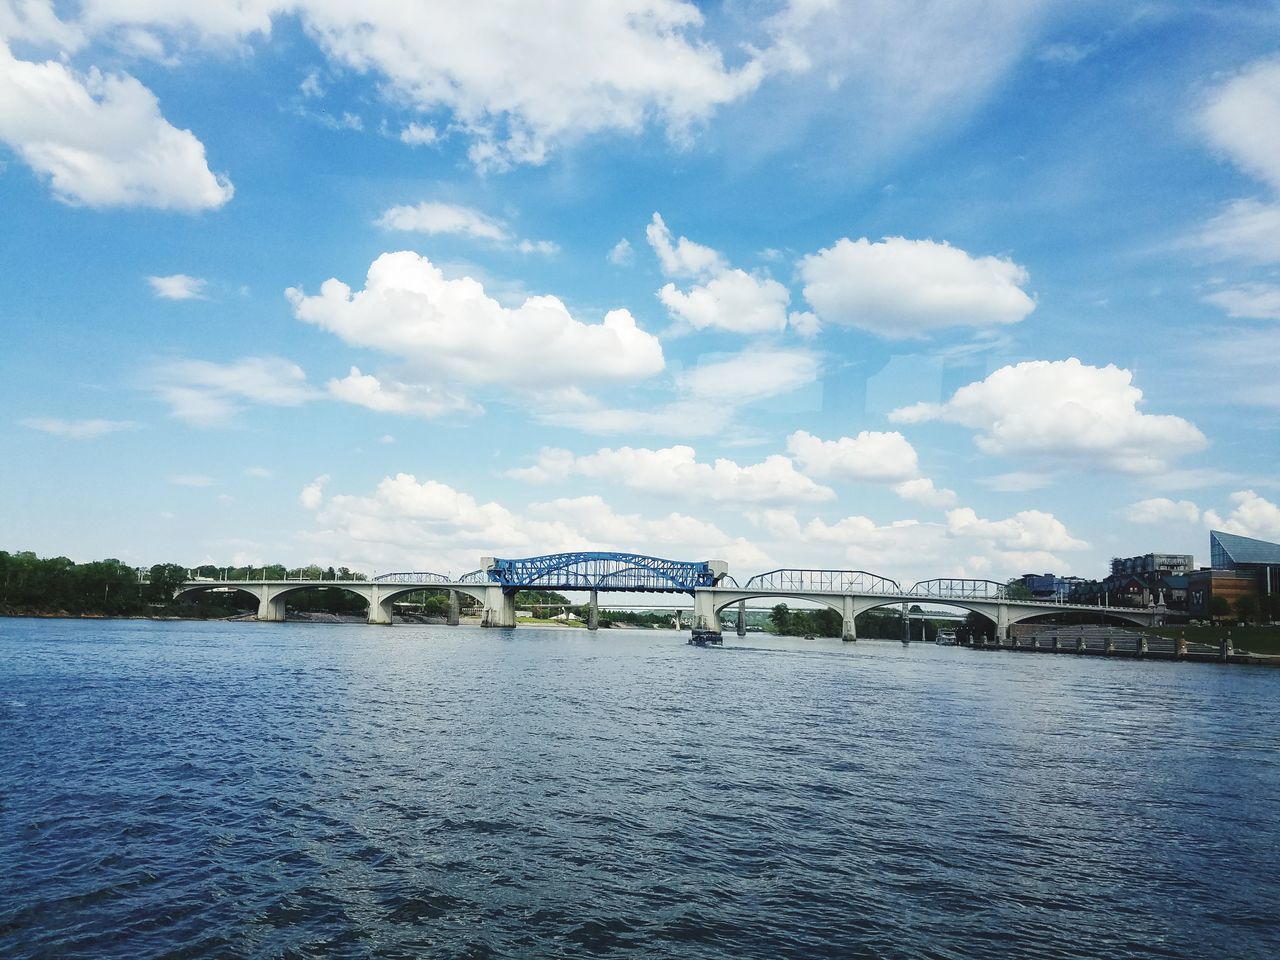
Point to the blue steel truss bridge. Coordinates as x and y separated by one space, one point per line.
498 580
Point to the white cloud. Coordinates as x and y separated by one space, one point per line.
178 286
389 396
36 21
1066 412
430 525
1242 119
675 472
312 495
1255 301
725 298
870 456
1162 510
1026 530
78 429
682 258
516 79
901 288
1017 481
431 217
622 254
1248 230
922 491
310 86
208 394
1251 516
100 140
749 376
733 300
706 398
419 134
259 473
452 329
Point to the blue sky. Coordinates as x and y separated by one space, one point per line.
922 288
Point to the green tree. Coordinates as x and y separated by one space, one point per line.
1219 607
781 618
1246 608
165 579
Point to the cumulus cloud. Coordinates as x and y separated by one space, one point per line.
1025 530
389 396
432 217
734 300
621 254
208 394
725 298
899 288
1162 510
921 490
177 286
452 329
682 257
312 495
706 397
1242 119
419 134
1067 412
100 140
676 472
870 456
430 525
1254 301
965 545
1250 516
78 429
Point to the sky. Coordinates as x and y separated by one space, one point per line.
922 287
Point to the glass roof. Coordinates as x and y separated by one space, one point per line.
1244 549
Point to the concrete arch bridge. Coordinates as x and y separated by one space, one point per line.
854 592
496 583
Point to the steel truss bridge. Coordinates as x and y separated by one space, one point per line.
495 584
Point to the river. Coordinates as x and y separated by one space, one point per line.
289 790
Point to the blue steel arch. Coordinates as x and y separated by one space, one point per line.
586 570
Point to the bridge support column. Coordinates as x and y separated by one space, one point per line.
742 618
455 608
678 624
906 624
1143 649
499 607
1225 648
270 610
706 622
379 609
593 611
1002 624
848 622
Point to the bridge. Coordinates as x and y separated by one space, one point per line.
495 584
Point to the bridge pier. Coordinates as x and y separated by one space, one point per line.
1002 623
271 610
593 611
499 607
455 608
848 621
742 618
706 621
379 609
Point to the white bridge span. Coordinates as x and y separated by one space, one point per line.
849 592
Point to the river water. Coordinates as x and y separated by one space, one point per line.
291 790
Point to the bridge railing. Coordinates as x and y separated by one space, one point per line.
822 581
410 577
960 589
589 570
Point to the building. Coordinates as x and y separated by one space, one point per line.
1048 586
1148 563
1153 579
1245 572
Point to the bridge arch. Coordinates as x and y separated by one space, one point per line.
216 586
719 606
1138 618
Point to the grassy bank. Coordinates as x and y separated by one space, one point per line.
1252 639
